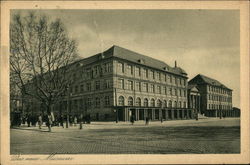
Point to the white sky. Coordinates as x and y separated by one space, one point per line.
202 41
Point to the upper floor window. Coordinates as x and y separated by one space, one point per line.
97 102
145 73
137 71
138 86
165 77
107 101
89 73
89 86
138 101
170 91
76 89
159 103
130 85
170 79
152 88
97 85
121 83
108 67
82 88
120 67
107 84
158 89
158 76
151 74
164 90
175 92
129 69
145 87
152 103
145 102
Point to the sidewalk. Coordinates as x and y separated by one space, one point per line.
170 123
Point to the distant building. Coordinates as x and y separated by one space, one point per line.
118 83
215 99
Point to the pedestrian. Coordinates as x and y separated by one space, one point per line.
61 120
40 121
75 121
70 120
147 120
196 116
132 120
161 120
81 120
28 120
49 121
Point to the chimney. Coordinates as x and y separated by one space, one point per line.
175 64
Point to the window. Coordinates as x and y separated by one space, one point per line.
175 104
170 79
89 73
180 104
145 73
96 69
137 71
130 85
130 101
97 85
180 94
165 103
145 87
138 86
120 67
129 69
89 102
97 102
184 104
159 103
175 92
169 103
151 74
121 83
185 94
107 84
138 101
180 81
88 86
107 101
121 101
158 76
165 77
76 89
152 88
82 88
164 90
175 80
170 91
158 89
145 102
152 103
108 67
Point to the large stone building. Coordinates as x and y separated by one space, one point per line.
118 83
213 99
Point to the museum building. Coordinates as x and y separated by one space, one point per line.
119 83
213 98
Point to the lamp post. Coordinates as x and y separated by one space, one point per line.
68 95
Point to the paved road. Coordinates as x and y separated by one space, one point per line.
182 136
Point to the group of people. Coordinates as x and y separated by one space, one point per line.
53 120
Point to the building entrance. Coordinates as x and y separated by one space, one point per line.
141 114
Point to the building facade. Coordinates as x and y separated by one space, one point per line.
215 98
118 83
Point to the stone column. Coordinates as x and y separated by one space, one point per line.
166 113
153 114
178 113
172 113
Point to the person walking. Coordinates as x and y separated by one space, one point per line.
61 120
81 120
132 120
147 120
40 121
75 121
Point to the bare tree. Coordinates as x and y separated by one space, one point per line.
41 53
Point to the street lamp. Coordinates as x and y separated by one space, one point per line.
68 95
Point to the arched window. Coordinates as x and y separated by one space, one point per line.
152 102
121 101
138 101
175 104
159 103
130 101
184 104
169 103
165 103
145 103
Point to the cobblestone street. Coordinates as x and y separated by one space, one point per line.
182 136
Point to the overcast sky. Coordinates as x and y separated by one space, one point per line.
202 41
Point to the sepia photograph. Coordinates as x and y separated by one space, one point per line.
124 82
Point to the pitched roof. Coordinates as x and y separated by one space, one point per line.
204 79
123 53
